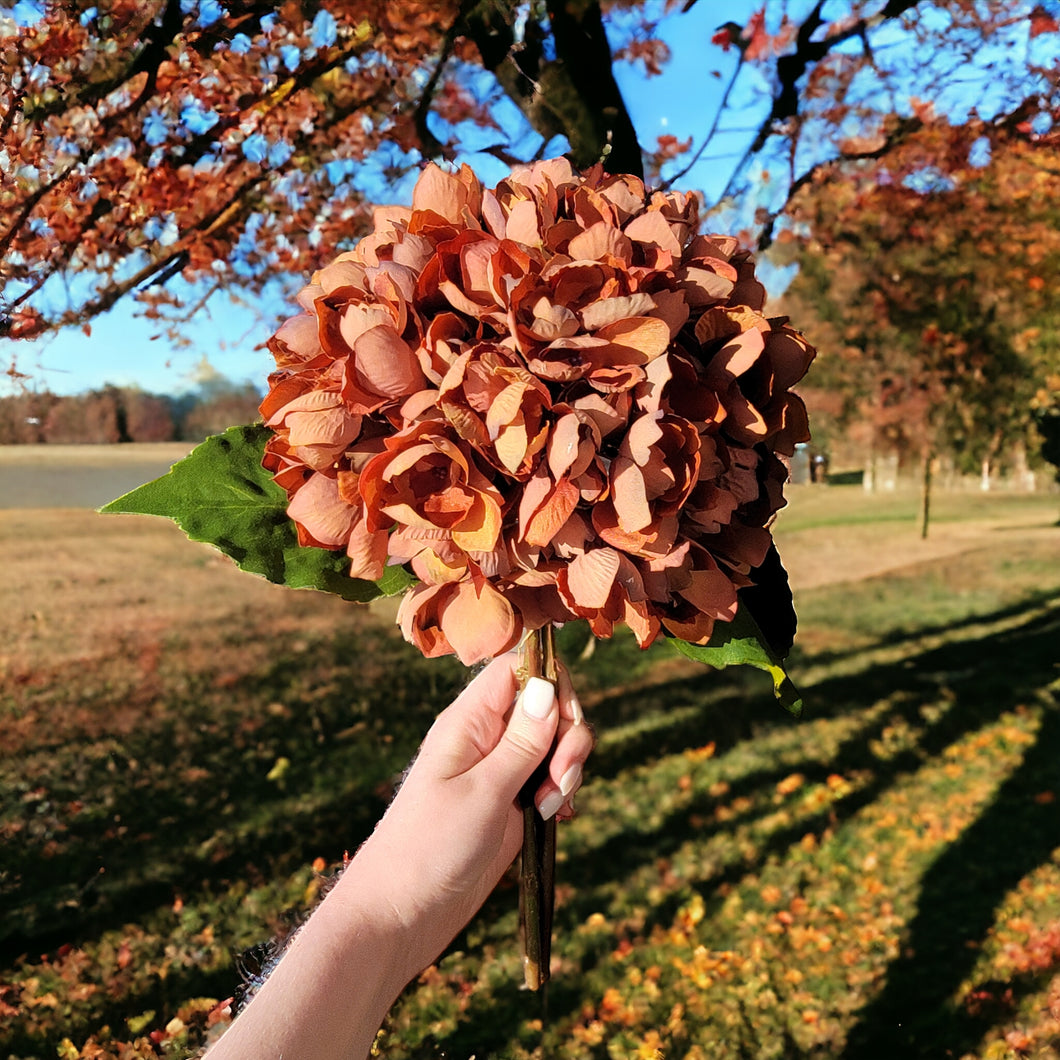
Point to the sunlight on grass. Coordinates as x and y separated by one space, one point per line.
879 880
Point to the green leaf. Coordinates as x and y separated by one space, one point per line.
741 643
219 493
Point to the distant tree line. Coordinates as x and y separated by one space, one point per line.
125 414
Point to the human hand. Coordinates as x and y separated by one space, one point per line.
440 849
454 826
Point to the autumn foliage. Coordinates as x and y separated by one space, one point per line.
934 291
230 144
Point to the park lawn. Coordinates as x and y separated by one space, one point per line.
182 744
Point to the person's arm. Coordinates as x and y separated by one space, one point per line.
443 844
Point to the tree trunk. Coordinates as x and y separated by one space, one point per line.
575 93
925 509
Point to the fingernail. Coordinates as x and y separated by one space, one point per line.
550 804
576 709
537 697
570 780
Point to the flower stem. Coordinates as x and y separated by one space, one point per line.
537 870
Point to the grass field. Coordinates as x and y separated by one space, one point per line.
181 744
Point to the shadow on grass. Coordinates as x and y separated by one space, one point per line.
914 1015
355 724
897 637
990 674
190 799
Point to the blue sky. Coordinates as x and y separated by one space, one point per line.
125 349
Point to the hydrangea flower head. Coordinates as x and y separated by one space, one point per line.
553 399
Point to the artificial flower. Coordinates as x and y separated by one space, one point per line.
552 399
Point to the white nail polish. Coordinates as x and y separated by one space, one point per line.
570 780
550 804
537 697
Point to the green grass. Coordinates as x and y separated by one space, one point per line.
878 880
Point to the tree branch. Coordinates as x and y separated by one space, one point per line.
156 39
713 126
430 143
901 132
792 67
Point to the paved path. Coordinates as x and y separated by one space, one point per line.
79 476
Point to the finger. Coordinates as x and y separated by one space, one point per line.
526 741
566 812
469 729
569 706
574 742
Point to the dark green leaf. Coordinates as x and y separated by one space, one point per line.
741 643
770 604
219 493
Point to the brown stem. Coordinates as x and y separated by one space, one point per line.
537 869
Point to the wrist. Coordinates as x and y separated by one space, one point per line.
374 911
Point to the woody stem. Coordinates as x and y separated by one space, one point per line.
537 880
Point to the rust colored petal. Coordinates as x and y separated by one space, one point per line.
612 309
523 224
385 365
419 619
590 577
793 426
320 512
709 589
367 551
748 290
600 242
438 566
640 338
549 516
535 596
296 341
652 227
456 197
672 308
477 621
628 495
742 547
790 355
480 525
723 322
572 444
655 538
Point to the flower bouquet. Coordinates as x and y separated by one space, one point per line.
520 406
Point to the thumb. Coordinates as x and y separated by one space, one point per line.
526 740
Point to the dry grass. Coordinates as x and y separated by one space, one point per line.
127 598
829 536
79 476
119 601
101 456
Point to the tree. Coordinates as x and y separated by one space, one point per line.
215 407
940 290
148 417
22 417
96 418
1046 406
231 143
